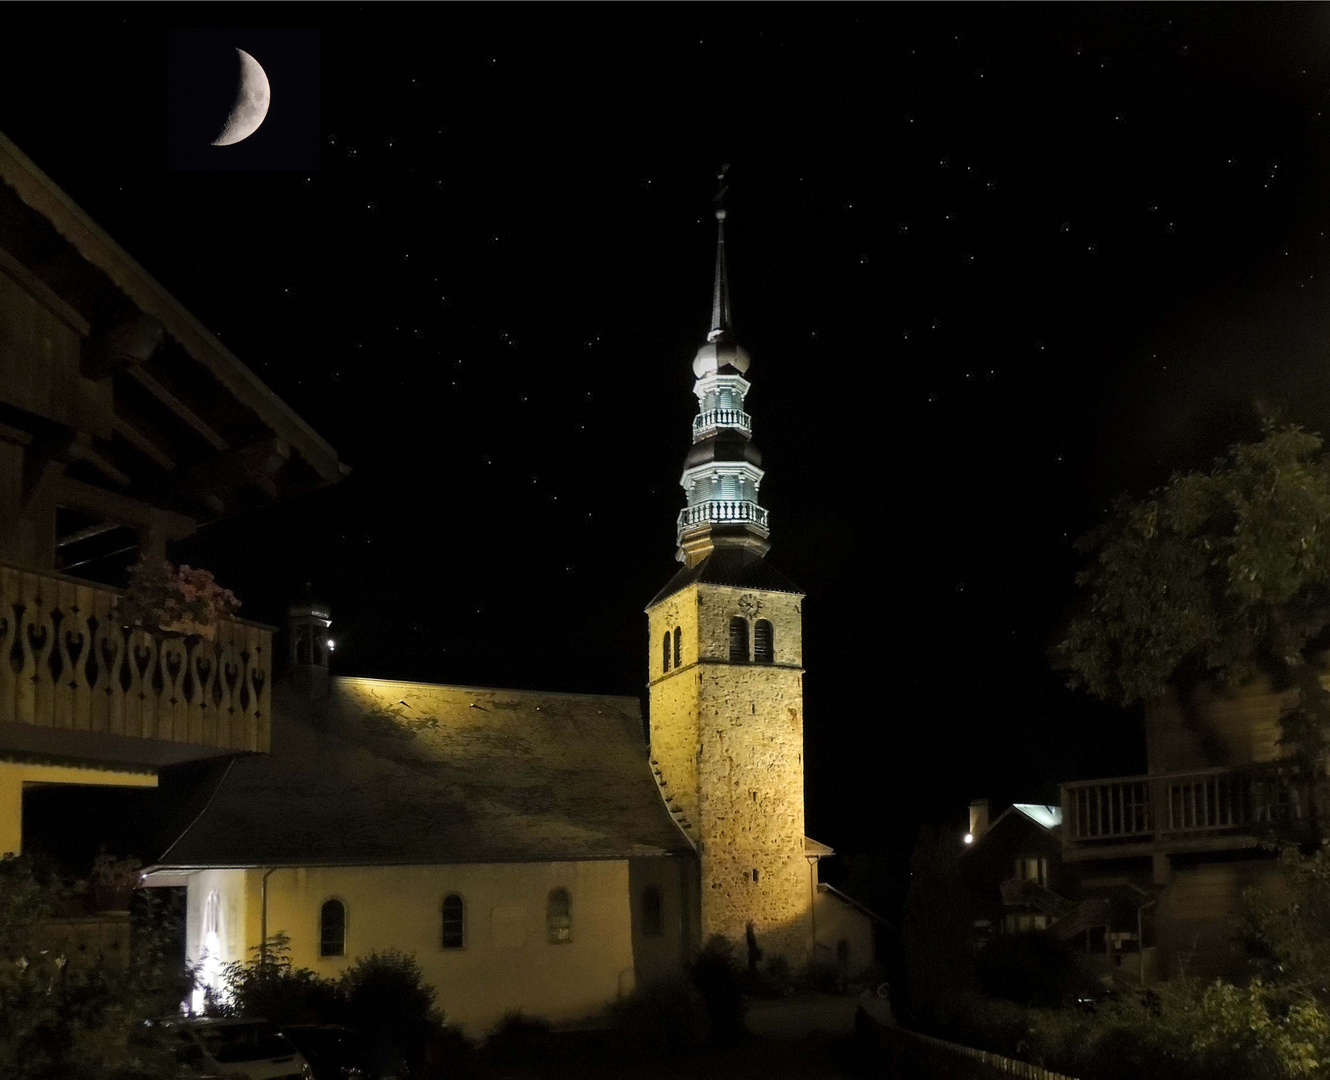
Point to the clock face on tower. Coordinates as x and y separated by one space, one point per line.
750 605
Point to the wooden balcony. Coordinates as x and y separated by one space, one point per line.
1205 810
67 668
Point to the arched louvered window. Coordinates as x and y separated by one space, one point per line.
454 922
678 646
652 923
739 639
665 653
559 917
332 929
764 648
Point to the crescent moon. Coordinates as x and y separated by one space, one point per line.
251 104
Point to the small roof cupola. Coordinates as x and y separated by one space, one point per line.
723 470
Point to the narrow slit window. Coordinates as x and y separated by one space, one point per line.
652 923
332 929
665 653
559 917
678 646
764 649
454 922
738 640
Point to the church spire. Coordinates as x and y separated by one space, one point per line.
720 303
723 469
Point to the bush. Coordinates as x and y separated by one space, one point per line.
518 1039
80 1020
667 1018
718 978
817 977
1031 969
267 986
386 999
773 979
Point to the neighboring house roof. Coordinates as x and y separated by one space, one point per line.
1046 817
391 772
816 847
741 568
831 890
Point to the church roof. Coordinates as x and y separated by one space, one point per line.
386 772
739 567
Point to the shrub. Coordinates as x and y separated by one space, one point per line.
666 1018
718 978
387 1000
773 979
518 1039
817 977
267 986
1030 969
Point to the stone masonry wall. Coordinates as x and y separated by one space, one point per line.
729 738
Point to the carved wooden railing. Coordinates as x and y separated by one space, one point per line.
66 663
1208 802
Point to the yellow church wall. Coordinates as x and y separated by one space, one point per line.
507 961
217 930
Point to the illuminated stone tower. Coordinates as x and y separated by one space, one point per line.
726 672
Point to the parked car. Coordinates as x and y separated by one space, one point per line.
234 1049
333 1052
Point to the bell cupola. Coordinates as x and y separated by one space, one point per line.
723 469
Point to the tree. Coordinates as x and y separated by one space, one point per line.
1222 574
937 931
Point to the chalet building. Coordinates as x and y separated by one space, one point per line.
1017 881
124 424
1197 829
533 850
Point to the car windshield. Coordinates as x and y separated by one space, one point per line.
244 1042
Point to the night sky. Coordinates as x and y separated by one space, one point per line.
994 264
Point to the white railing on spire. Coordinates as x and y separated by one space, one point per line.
718 511
715 418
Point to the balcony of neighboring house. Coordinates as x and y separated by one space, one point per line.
67 666
1219 809
125 425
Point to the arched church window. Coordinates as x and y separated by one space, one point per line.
739 640
454 922
678 646
764 648
652 923
665 653
559 917
332 928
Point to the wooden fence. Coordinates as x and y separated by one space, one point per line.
899 1054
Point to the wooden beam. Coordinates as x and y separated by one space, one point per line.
256 464
141 442
43 294
131 341
178 407
83 450
87 534
113 506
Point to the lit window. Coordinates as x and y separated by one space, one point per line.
1032 868
764 651
678 646
332 929
738 640
665 653
454 922
559 917
652 923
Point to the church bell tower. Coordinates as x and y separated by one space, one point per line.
726 671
